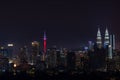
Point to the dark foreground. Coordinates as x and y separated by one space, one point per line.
61 76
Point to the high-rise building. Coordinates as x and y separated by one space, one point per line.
106 38
44 46
99 38
4 52
63 57
97 58
4 63
111 46
10 50
52 58
40 65
23 56
114 42
35 50
90 45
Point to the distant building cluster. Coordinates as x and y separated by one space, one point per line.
101 55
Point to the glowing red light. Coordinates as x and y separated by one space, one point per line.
45 44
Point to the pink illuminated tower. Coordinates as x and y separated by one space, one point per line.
44 46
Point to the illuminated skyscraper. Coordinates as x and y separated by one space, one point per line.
35 50
44 46
110 48
113 42
106 38
99 38
10 48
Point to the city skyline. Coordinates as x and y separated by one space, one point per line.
60 40
104 40
67 24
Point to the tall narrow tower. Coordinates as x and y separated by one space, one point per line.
110 55
113 42
45 44
111 46
106 38
99 39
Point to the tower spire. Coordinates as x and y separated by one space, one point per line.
44 42
44 45
106 38
99 39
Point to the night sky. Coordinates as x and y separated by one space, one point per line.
67 24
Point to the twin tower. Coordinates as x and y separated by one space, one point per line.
106 38
109 40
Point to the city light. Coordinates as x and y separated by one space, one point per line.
35 43
60 40
10 45
2 47
110 46
40 58
10 61
15 65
